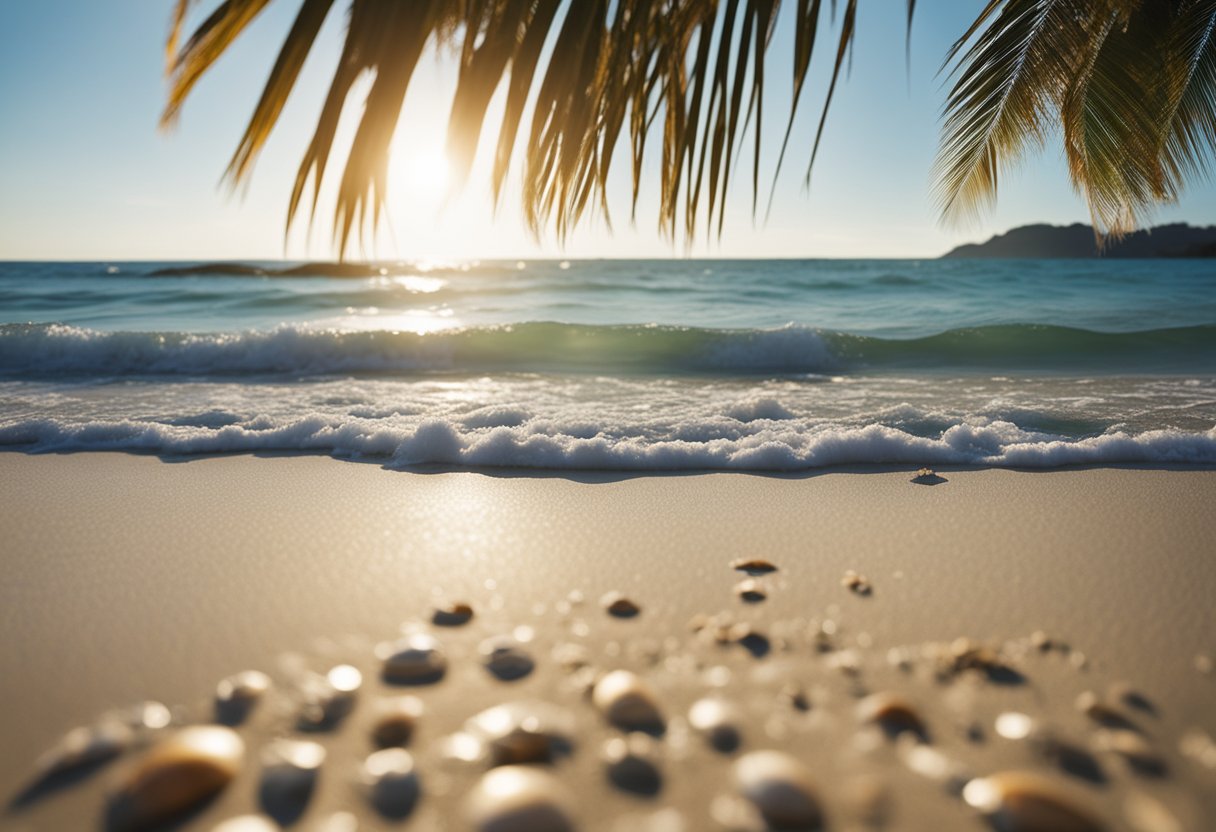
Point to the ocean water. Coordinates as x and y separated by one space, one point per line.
622 365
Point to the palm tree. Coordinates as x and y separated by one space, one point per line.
1129 84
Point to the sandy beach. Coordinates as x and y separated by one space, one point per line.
130 578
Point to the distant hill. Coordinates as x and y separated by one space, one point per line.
1077 240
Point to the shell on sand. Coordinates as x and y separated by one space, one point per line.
753 566
521 732
394 721
780 788
618 605
84 747
506 658
176 774
392 778
631 763
290 769
413 660
628 702
718 721
520 799
246 686
890 712
751 590
452 614
1022 802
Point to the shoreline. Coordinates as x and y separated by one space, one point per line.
131 577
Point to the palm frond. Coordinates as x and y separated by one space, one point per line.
595 73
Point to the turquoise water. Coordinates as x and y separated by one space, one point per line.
771 365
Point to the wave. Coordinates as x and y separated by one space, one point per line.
777 447
40 350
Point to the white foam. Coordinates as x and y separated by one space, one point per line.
535 444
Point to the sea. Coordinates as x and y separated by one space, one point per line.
619 365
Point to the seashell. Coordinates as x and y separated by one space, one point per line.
395 719
1017 801
891 713
505 658
751 591
391 777
753 566
177 774
631 763
289 775
414 660
628 702
618 605
237 695
780 788
452 614
520 732
856 582
718 721
520 799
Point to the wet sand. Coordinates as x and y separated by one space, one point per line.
129 578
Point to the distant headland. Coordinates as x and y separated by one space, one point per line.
1077 240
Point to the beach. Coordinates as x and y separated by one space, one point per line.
132 577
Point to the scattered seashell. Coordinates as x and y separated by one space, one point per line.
751 591
891 713
520 732
289 775
796 696
717 721
146 716
391 777
505 658
1017 801
753 566
1093 707
632 763
628 702
1041 641
1133 747
925 475
780 788
82 747
413 660
327 700
618 605
520 799
452 614
177 774
856 582
236 695
395 719
247 823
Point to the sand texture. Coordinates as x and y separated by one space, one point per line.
130 578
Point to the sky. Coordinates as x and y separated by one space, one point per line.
85 173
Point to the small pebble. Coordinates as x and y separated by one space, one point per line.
751 591
82 747
780 788
391 777
796 696
753 566
631 763
394 722
856 582
717 721
452 614
289 774
520 799
891 713
505 658
237 695
924 475
177 774
1041 641
413 660
327 700
618 605
520 732
1093 707
628 702
1014 726
1021 802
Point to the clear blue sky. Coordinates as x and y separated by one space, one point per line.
85 174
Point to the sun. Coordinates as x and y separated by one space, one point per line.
420 176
